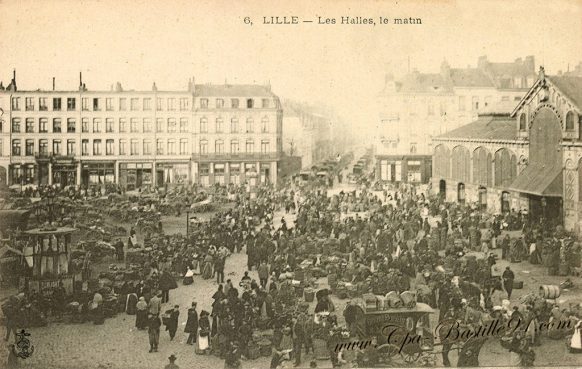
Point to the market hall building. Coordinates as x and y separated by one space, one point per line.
529 159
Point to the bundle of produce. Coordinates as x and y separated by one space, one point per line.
393 300
98 249
136 256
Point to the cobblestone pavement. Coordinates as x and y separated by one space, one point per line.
117 344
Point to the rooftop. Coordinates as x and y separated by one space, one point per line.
571 86
486 127
470 77
233 90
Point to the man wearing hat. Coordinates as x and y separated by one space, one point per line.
172 364
192 324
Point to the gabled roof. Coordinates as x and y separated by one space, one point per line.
510 69
470 77
233 91
571 86
423 82
486 127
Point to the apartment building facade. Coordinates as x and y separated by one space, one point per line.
140 138
419 106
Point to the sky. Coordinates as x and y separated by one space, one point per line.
170 41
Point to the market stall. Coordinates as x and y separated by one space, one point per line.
46 257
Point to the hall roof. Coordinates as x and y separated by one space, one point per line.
571 86
486 127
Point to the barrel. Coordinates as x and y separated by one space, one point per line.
299 291
265 348
299 275
549 291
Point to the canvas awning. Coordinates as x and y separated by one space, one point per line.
539 180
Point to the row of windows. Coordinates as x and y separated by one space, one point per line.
475 101
169 147
234 147
234 103
169 125
123 103
571 120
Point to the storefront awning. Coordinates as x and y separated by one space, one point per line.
539 180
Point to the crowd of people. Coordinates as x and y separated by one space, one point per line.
397 239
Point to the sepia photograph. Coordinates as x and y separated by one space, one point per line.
290 184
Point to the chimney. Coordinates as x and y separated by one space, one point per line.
154 87
118 87
530 64
53 83
80 79
12 85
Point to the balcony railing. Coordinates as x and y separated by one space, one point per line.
235 157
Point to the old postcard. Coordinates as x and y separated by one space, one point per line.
312 184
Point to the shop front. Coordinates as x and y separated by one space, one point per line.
219 173
411 169
135 175
22 174
172 173
97 173
251 174
64 172
204 174
265 173
234 173
43 172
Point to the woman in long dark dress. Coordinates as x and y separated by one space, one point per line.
204 334
141 318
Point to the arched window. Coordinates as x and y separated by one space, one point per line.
505 168
522 122
570 121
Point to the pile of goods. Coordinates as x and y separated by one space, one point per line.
392 300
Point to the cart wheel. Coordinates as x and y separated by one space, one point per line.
410 357
94 235
387 351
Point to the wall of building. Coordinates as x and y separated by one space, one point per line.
444 169
137 138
